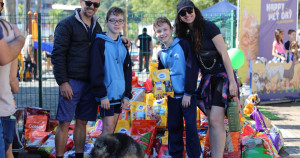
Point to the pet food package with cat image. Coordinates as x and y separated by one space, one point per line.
162 82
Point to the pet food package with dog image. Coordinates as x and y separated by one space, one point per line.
137 111
35 123
161 109
149 104
162 82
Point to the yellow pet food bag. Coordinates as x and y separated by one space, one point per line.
161 109
153 67
137 111
149 104
162 83
122 126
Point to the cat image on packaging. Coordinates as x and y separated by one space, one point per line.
162 83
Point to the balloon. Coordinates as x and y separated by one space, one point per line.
237 57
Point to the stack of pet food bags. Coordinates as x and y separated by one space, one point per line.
93 130
39 131
262 138
37 127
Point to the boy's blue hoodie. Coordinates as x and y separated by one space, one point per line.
182 63
110 71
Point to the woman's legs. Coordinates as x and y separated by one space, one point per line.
217 133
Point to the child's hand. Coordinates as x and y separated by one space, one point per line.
159 96
283 58
105 104
125 102
186 101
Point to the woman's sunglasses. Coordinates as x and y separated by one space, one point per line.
188 10
2 4
89 3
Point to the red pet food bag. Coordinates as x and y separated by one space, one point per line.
143 132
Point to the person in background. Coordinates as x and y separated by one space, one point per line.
278 51
48 56
287 44
145 49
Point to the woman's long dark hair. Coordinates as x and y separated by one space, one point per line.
194 35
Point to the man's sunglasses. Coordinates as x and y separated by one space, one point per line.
89 3
2 4
188 10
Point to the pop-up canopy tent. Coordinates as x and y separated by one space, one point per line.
219 9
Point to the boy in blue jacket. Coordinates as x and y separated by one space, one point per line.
110 70
177 56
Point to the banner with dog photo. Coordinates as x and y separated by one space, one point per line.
257 25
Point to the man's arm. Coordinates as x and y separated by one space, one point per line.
9 51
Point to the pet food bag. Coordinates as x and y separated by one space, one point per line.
125 114
35 123
69 146
36 140
153 67
49 145
143 132
162 82
203 120
150 115
35 111
137 110
122 126
138 94
161 109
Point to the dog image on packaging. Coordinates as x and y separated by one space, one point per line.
162 82
137 110
118 145
161 109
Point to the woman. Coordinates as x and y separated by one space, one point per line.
278 50
9 84
218 75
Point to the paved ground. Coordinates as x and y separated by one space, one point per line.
289 126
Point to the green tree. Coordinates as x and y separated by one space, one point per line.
55 16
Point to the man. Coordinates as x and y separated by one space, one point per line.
145 49
9 51
74 37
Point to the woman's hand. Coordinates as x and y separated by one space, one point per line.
233 89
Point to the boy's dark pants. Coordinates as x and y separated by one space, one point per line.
175 127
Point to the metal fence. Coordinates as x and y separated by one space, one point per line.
43 92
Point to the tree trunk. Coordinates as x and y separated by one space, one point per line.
10 11
26 9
